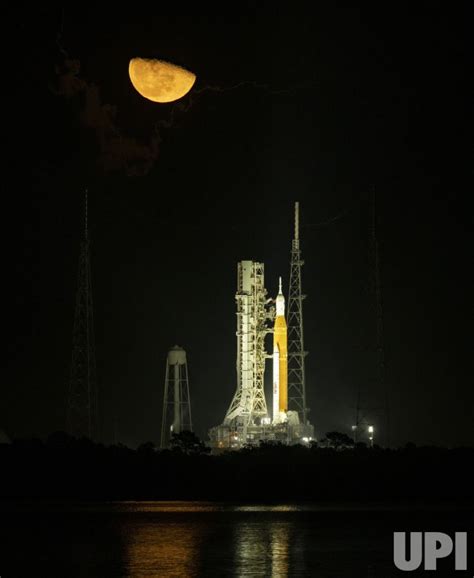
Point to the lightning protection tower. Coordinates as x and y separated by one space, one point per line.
82 408
176 400
381 378
296 352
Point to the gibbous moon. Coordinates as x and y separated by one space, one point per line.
160 81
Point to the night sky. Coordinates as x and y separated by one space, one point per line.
320 106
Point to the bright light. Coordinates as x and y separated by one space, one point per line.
306 440
371 429
354 427
160 81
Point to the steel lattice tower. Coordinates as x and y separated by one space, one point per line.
82 409
380 344
296 352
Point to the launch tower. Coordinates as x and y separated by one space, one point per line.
247 413
247 421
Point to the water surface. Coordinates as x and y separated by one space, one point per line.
174 539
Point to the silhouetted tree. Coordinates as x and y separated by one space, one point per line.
337 440
360 446
61 440
188 443
69 468
146 448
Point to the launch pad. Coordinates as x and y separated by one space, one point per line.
227 437
247 421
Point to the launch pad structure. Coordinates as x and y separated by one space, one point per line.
247 421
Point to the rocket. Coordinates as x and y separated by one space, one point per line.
280 362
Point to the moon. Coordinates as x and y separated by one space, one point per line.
158 80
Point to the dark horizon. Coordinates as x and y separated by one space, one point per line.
330 108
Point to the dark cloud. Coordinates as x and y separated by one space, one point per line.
116 150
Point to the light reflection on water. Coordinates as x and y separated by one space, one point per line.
194 539
261 549
176 549
191 507
260 508
170 549
190 547
167 507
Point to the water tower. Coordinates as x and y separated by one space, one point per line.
176 399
